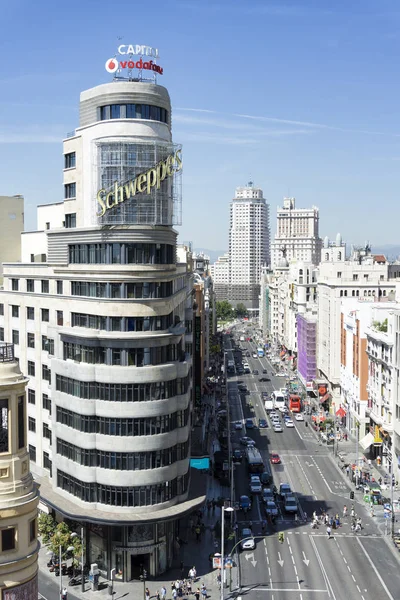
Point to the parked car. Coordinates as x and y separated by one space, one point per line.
248 542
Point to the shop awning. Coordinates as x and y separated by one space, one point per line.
366 441
325 397
318 418
341 412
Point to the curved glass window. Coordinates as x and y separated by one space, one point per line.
132 357
133 111
123 392
123 496
123 427
123 461
94 289
122 254
158 323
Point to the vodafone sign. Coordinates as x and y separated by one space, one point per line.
128 54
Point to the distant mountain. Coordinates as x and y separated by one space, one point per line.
213 254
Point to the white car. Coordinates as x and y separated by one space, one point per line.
277 427
280 374
289 423
255 484
273 414
247 542
255 355
299 417
283 409
238 425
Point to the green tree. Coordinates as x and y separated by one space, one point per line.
62 537
241 310
224 310
215 348
46 527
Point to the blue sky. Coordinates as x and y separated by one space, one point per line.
302 97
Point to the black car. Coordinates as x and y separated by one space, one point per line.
266 479
237 455
262 423
255 372
264 379
265 372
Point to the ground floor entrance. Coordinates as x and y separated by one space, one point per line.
140 564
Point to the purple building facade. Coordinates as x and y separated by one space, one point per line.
307 347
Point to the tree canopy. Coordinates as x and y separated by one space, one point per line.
224 310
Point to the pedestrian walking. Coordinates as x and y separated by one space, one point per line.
197 594
147 594
174 594
163 592
328 532
203 590
158 597
344 511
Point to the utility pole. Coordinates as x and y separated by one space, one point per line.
357 459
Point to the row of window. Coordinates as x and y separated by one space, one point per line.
46 429
95 289
133 111
123 461
122 392
30 314
122 254
47 343
46 372
126 357
147 495
122 323
123 427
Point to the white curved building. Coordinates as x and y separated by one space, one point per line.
100 303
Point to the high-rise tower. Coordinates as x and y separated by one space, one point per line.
297 230
249 245
97 310
19 496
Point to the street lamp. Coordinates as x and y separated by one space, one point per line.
223 510
75 535
69 549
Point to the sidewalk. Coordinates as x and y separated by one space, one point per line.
192 553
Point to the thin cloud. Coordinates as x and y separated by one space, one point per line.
310 124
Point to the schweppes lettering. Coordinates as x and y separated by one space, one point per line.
143 183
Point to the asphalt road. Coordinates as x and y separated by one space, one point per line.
307 565
49 588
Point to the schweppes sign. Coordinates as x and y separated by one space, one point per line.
142 184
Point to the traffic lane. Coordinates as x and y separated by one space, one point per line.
310 576
49 588
351 568
384 560
253 566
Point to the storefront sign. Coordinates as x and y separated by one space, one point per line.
137 549
131 51
138 49
143 183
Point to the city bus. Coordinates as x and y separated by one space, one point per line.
294 403
255 462
260 352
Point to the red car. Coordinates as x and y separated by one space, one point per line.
275 459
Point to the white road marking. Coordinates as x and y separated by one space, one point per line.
376 570
321 565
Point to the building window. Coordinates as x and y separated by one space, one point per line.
48 345
14 311
46 432
1 309
60 317
43 258
69 191
32 424
45 286
15 337
355 277
70 220
4 425
2 334
32 530
30 285
14 285
46 402
69 160
30 312
30 340
8 539
45 315
47 224
339 274
32 452
46 373
47 462
31 368
365 277
59 287
31 396
32 258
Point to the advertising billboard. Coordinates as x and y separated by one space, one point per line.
137 182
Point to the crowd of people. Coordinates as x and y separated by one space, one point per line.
181 588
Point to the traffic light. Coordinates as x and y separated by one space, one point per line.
281 537
351 495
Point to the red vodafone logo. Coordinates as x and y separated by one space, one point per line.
111 65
